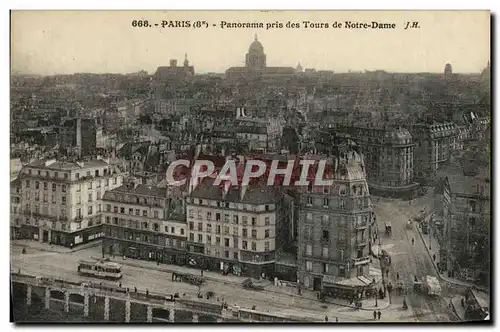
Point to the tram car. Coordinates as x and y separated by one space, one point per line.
101 268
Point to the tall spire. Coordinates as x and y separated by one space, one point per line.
255 37
186 62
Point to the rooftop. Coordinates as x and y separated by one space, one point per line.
66 166
143 190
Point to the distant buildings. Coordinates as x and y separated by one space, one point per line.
82 135
61 202
255 65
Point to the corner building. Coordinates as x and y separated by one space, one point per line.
61 201
336 228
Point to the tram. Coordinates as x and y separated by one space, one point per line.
101 268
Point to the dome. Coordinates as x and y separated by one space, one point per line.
256 46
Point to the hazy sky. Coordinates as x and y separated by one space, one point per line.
59 42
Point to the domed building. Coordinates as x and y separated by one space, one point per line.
255 65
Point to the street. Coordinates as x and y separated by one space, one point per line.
411 260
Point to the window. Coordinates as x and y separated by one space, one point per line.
54 187
108 207
190 213
209 228
45 186
27 183
90 200
64 200
226 217
309 200
107 219
191 237
90 210
244 245
266 233
53 199
342 204
99 195
79 187
156 227
89 186
326 202
217 217
235 219
226 230
217 229
37 185
98 207
254 233
325 251
254 246
309 187
267 221
115 209
200 238
235 231
226 253
325 236
325 268
217 240
63 187
199 215
341 271
217 253
326 190
226 242
78 213
209 239
172 230
191 226
235 255
254 220
309 250
45 198
245 232
209 215
309 266
266 246
309 216
98 183
144 213
200 227
79 199
235 242
245 220
137 212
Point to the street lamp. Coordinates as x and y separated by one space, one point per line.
376 298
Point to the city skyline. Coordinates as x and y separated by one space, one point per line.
109 43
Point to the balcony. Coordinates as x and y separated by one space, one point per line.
361 242
361 226
361 261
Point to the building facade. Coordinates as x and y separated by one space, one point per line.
389 157
434 147
61 202
335 227
236 228
144 222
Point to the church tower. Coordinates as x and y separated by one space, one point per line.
255 58
186 62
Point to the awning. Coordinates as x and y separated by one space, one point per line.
329 279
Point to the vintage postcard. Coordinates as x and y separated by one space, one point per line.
250 166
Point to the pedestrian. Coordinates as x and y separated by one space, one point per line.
375 315
397 275
434 257
202 272
120 285
326 318
135 289
412 241
336 319
387 273
147 292
379 314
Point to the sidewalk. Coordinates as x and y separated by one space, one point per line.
368 304
432 246
43 246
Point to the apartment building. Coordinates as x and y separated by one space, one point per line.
61 202
145 222
336 228
389 156
434 145
15 207
236 228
